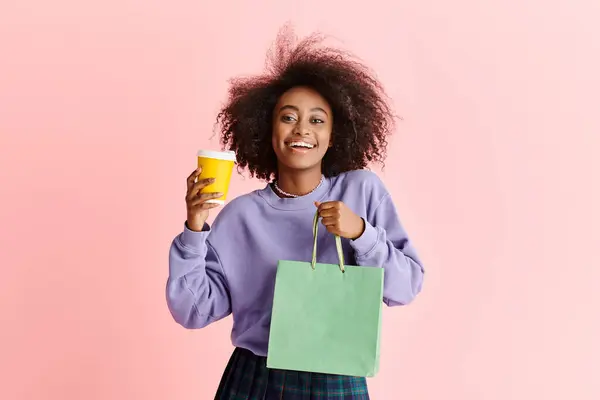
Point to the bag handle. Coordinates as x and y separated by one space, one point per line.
338 245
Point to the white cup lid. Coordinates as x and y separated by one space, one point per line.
219 155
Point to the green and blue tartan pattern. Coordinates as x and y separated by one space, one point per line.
248 378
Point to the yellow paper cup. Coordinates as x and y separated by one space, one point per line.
218 165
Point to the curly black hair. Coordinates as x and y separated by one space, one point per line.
362 117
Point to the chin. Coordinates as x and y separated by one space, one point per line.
300 166
299 162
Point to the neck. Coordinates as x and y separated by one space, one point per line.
298 183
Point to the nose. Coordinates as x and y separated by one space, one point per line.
301 129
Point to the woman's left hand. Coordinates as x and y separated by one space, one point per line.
340 220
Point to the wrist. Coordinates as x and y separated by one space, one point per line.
195 226
360 230
365 243
194 240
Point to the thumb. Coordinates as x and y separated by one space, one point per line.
317 204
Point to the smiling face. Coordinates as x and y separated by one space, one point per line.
302 124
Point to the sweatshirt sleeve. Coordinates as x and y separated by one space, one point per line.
197 292
385 244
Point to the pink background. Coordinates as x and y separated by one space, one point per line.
495 171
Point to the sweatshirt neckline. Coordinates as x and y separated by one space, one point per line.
296 203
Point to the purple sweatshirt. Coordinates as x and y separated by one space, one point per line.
230 268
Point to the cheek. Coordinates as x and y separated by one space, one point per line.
277 130
274 132
274 141
277 136
326 138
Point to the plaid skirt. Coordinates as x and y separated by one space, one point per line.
248 378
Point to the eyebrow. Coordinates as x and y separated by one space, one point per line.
286 107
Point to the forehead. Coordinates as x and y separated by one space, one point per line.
303 98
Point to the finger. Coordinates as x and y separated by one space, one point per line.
329 221
203 207
202 183
208 206
203 197
333 229
196 187
192 177
330 213
329 205
325 205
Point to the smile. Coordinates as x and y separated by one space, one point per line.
300 145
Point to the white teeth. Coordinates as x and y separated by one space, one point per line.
301 144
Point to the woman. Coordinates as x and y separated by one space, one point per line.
309 127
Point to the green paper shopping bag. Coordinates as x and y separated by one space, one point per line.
326 318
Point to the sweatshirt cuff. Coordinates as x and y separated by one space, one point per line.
194 240
364 244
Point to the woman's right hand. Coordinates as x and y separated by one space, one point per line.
197 207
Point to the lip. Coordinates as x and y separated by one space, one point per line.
289 142
299 150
